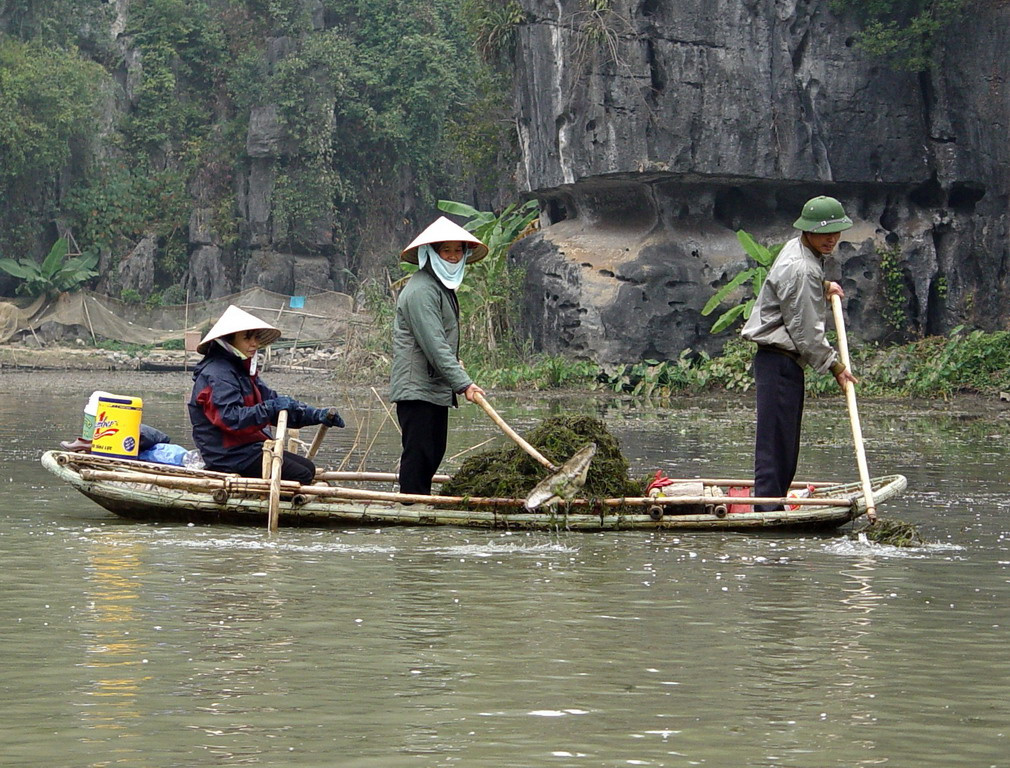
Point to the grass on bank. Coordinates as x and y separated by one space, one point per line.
967 361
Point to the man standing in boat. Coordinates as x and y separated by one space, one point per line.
787 324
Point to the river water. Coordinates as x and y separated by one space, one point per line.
142 645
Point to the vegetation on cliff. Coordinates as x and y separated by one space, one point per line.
904 32
119 128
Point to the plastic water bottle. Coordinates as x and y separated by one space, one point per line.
193 460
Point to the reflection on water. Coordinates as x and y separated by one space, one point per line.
115 659
157 645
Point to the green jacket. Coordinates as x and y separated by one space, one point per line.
426 343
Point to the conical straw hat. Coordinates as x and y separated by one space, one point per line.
439 231
235 320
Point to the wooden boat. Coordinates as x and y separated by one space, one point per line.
139 490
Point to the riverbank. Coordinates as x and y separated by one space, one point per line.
967 363
53 358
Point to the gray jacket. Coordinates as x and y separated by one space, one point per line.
790 309
426 343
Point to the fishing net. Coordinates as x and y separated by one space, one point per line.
512 473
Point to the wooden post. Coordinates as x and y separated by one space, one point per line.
317 441
276 465
87 315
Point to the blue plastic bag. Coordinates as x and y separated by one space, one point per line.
164 453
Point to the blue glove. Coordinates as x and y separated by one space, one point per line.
330 417
281 403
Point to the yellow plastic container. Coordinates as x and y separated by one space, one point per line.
117 426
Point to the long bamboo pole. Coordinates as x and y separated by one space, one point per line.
259 486
232 483
850 397
87 316
381 477
338 475
638 501
516 437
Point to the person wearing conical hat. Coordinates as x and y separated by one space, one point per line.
427 376
787 324
231 409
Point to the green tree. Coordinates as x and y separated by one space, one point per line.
48 99
764 256
902 31
181 46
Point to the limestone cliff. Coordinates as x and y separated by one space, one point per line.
653 130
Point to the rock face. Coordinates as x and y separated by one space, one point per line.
652 131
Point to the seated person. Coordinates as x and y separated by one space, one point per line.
231 408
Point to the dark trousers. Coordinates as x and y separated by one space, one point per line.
425 427
295 467
779 384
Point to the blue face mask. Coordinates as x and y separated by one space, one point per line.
449 274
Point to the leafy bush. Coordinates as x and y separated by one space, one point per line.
130 296
690 372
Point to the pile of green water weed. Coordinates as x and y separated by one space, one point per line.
512 473
895 533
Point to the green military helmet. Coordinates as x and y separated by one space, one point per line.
822 215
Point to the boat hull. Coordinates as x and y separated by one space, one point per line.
145 502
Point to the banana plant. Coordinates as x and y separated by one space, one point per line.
490 292
764 256
55 274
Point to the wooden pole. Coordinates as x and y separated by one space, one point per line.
382 477
317 441
185 329
634 501
295 345
252 485
231 483
389 413
483 403
87 314
850 397
729 481
274 505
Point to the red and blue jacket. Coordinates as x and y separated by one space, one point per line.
231 411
